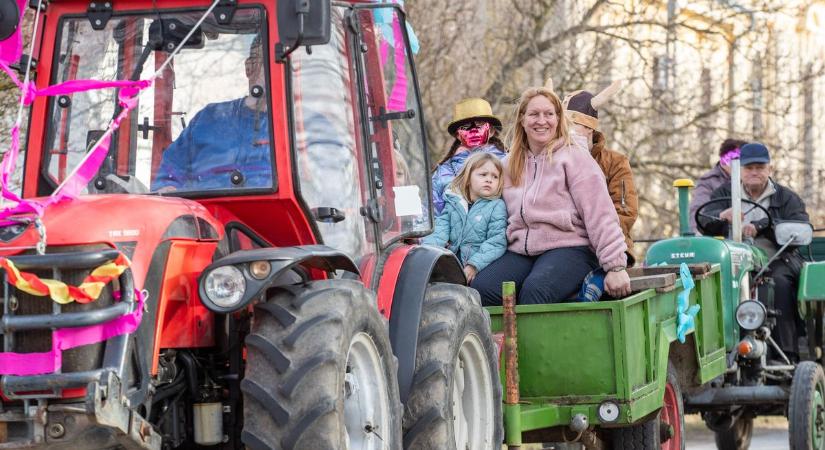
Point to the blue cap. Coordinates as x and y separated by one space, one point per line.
754 153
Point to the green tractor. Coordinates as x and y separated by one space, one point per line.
760 378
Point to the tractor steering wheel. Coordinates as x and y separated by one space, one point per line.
703 218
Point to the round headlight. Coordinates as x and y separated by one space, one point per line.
225 286
608 411
750 314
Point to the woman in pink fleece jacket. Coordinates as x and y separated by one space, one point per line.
561 220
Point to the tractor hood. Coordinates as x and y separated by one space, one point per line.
736 260
135 224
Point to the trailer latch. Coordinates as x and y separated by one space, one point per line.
99 13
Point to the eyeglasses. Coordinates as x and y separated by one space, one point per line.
470 125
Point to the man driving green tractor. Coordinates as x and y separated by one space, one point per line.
778 203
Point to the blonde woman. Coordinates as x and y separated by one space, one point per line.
561 220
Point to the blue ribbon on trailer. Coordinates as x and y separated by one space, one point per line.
685 316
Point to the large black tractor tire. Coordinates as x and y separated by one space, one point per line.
738 437
806 411
666 430
455 399
313 353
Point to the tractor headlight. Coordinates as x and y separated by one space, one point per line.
750 314
608 411
225 286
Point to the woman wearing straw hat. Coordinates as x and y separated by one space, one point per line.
475 129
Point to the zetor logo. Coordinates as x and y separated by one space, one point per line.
123 233
683 255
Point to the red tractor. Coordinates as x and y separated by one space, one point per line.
267 192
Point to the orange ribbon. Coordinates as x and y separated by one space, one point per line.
60 292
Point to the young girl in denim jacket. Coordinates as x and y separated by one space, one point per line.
473 223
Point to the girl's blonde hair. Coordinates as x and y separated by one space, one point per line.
461 183
517 137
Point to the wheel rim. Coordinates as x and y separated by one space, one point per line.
671 421
818 417
367 408
472 396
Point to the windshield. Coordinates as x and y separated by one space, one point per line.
202 126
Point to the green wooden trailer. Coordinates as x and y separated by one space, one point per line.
598 372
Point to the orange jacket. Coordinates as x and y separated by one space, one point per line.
616 168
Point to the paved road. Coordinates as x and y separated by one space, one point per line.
769 434
762 440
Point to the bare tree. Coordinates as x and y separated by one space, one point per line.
693 76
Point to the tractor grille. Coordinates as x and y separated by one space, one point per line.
20 303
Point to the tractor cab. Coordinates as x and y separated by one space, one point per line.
329 134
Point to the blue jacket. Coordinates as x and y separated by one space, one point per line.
448 170
221 139
478 236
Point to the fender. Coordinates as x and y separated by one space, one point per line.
421 265
282 260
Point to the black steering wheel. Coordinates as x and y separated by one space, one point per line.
703 218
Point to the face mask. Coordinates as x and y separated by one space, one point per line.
474 134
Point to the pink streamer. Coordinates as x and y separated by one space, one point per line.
398 98
12 48
127 98
25 364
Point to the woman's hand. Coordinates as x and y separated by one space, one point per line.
470 272
617 284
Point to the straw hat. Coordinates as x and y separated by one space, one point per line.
472 109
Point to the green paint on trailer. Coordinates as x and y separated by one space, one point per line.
574 356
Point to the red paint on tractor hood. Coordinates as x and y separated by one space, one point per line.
111 219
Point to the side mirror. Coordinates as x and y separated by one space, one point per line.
302 22
167 34
793 233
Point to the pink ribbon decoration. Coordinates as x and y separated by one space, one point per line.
26 364
398 96
71 188
12 48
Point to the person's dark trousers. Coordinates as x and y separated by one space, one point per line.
785 273
551 277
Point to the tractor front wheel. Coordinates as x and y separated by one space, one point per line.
806 411
665 431
320 372
455 399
